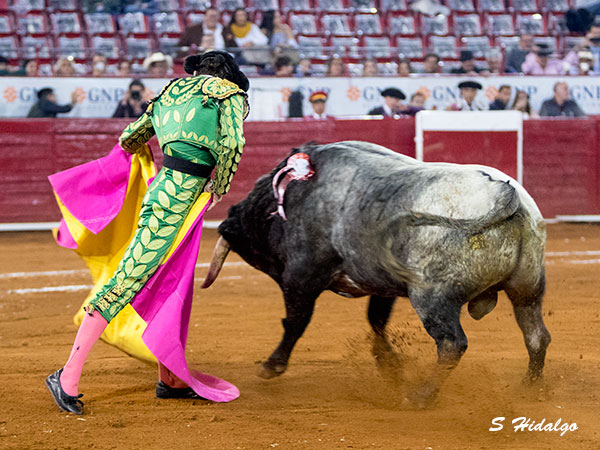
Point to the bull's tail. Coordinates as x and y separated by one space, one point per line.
507 204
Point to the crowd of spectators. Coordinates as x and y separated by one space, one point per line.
261 45
273 50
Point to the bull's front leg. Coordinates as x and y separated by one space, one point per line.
299 306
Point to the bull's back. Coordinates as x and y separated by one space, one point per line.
361 194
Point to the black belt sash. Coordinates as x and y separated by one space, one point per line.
185 166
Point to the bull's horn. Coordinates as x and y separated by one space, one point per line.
218 258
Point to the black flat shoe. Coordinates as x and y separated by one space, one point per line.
64 401
165 391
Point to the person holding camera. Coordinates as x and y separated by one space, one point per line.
135 101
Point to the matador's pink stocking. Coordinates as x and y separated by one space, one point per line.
89 332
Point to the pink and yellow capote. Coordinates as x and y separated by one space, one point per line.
100 202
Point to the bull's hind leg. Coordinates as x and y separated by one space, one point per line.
380 309
527 305
440 315
299 308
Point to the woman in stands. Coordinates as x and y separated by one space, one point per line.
521 103
280 34
404 68
246 33
199 124
370 68
335 67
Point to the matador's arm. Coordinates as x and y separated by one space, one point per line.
232 112
137 134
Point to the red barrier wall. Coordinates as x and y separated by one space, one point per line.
561 158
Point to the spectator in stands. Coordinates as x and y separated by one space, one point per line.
582 62
415 104
304 68
593 42
207 43
468 100
30 68
283 66
585 63
249 38
417 100
280 35
134 102
404 68
4 66
561 105
494 62
98 65
370 68
192 35
521 103
318 100
232 47
392 106
335 67
212 26
502 98
124 68
246 33
432 63
47 105
65 67
158 65
516 57
467 64
540 63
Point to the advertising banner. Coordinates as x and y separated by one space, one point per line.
348 97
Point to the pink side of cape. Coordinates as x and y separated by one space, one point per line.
94 192
165 304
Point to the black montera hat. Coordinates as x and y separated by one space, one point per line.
470 84
236 75
393 92
543 50
466 55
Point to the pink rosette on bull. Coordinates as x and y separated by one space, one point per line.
298 167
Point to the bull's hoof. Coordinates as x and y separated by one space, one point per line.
533 379
270 370
424 396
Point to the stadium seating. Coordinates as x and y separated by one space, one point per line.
196 5
385 29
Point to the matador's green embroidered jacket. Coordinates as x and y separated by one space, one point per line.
191 114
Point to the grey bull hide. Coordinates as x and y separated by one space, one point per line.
374 222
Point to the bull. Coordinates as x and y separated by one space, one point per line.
374 222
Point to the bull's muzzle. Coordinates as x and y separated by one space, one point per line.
218 258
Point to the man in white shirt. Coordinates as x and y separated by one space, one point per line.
211 25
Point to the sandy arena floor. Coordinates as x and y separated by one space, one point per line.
332 396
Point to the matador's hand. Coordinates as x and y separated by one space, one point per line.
214 197
128 150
